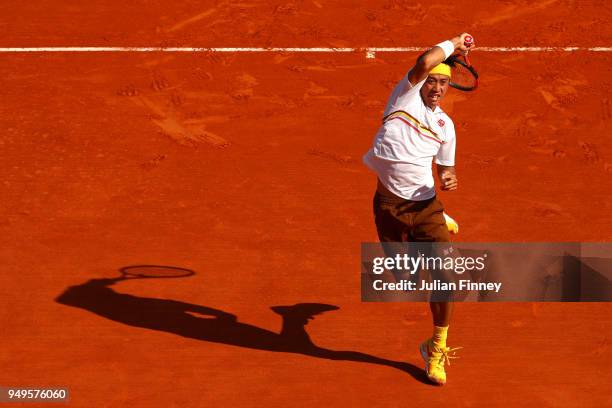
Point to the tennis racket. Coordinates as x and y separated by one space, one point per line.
154 271
463 75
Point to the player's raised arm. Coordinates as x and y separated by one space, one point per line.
436 55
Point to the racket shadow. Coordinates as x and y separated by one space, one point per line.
214 325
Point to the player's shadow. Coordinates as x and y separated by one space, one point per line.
208 324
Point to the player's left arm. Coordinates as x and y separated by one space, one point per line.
448 177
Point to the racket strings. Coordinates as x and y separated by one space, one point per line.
462 76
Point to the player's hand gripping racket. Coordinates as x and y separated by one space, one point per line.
463 75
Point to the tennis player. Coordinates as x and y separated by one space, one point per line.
416 131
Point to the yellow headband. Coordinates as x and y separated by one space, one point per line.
441 69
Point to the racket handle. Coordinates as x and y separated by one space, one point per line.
468 41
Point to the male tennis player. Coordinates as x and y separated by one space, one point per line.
415 130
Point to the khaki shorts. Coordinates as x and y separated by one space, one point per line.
400 220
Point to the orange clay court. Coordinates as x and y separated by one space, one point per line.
246 169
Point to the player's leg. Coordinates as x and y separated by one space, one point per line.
430 226
394 217
441 313
389 226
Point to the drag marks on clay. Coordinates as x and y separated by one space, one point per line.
314 90
262 22
547 210
550 99
514 11
154 162
244 87
216 58
202 75
160 61
168 107
569 129
177 99
281 58
212 119
538 139
341 102
377 18
589 152
319 68
328 66
545 145
212 100
194 19
336 157
159 83
544 211
275 105
287 8
483 161
317 94
562 93
128 90
176 130
560 97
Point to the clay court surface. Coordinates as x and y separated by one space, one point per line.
246 168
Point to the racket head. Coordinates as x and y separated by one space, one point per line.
464 76
155 271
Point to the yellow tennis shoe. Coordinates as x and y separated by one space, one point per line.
435 357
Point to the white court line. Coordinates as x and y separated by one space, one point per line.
290 49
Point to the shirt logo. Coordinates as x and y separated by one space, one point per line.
440 122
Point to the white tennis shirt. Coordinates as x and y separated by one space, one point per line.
404 146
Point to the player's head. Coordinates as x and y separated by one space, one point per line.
436 85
